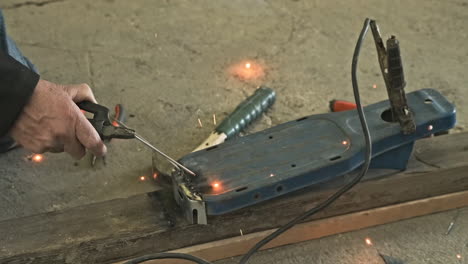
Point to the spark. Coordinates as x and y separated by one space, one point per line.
216 186
459 256
142 178
430 127
374 86
242 233
344 142
155 175
37 158
272 175
200 123
368 241
247 70
214 119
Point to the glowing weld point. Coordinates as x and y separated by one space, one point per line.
344 142
430 127
142 178
368 241
37 158
459 256
216 186
272 175
247 65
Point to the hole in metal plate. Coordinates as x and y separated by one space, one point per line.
335 158
195 216
279 188
241 189
387 116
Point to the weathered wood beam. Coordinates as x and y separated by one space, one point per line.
119 229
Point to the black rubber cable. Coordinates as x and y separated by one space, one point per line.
321 206
351 184
167 256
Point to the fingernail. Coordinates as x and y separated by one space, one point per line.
104 150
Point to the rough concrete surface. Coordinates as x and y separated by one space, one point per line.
168 62
418 240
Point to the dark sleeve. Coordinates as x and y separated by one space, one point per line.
17 84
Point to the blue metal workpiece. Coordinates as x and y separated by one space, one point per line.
301 153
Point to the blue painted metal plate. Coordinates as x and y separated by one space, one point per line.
300 153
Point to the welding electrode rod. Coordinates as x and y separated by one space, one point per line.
163 154
142 140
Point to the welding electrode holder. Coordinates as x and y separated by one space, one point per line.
102 123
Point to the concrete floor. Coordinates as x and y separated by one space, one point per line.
169 63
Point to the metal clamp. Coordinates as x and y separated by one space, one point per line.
191 203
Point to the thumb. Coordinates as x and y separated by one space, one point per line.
80 92
88 136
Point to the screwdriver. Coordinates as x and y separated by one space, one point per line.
244 114
144 141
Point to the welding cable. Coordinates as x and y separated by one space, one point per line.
167 256
321 206
351 184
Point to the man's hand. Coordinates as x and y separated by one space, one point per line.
51 121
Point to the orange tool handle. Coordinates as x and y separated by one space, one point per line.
340 106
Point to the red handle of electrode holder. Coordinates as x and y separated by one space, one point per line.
340 106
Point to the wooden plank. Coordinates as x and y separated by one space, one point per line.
120 229
239 245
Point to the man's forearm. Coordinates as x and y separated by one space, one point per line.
17 84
